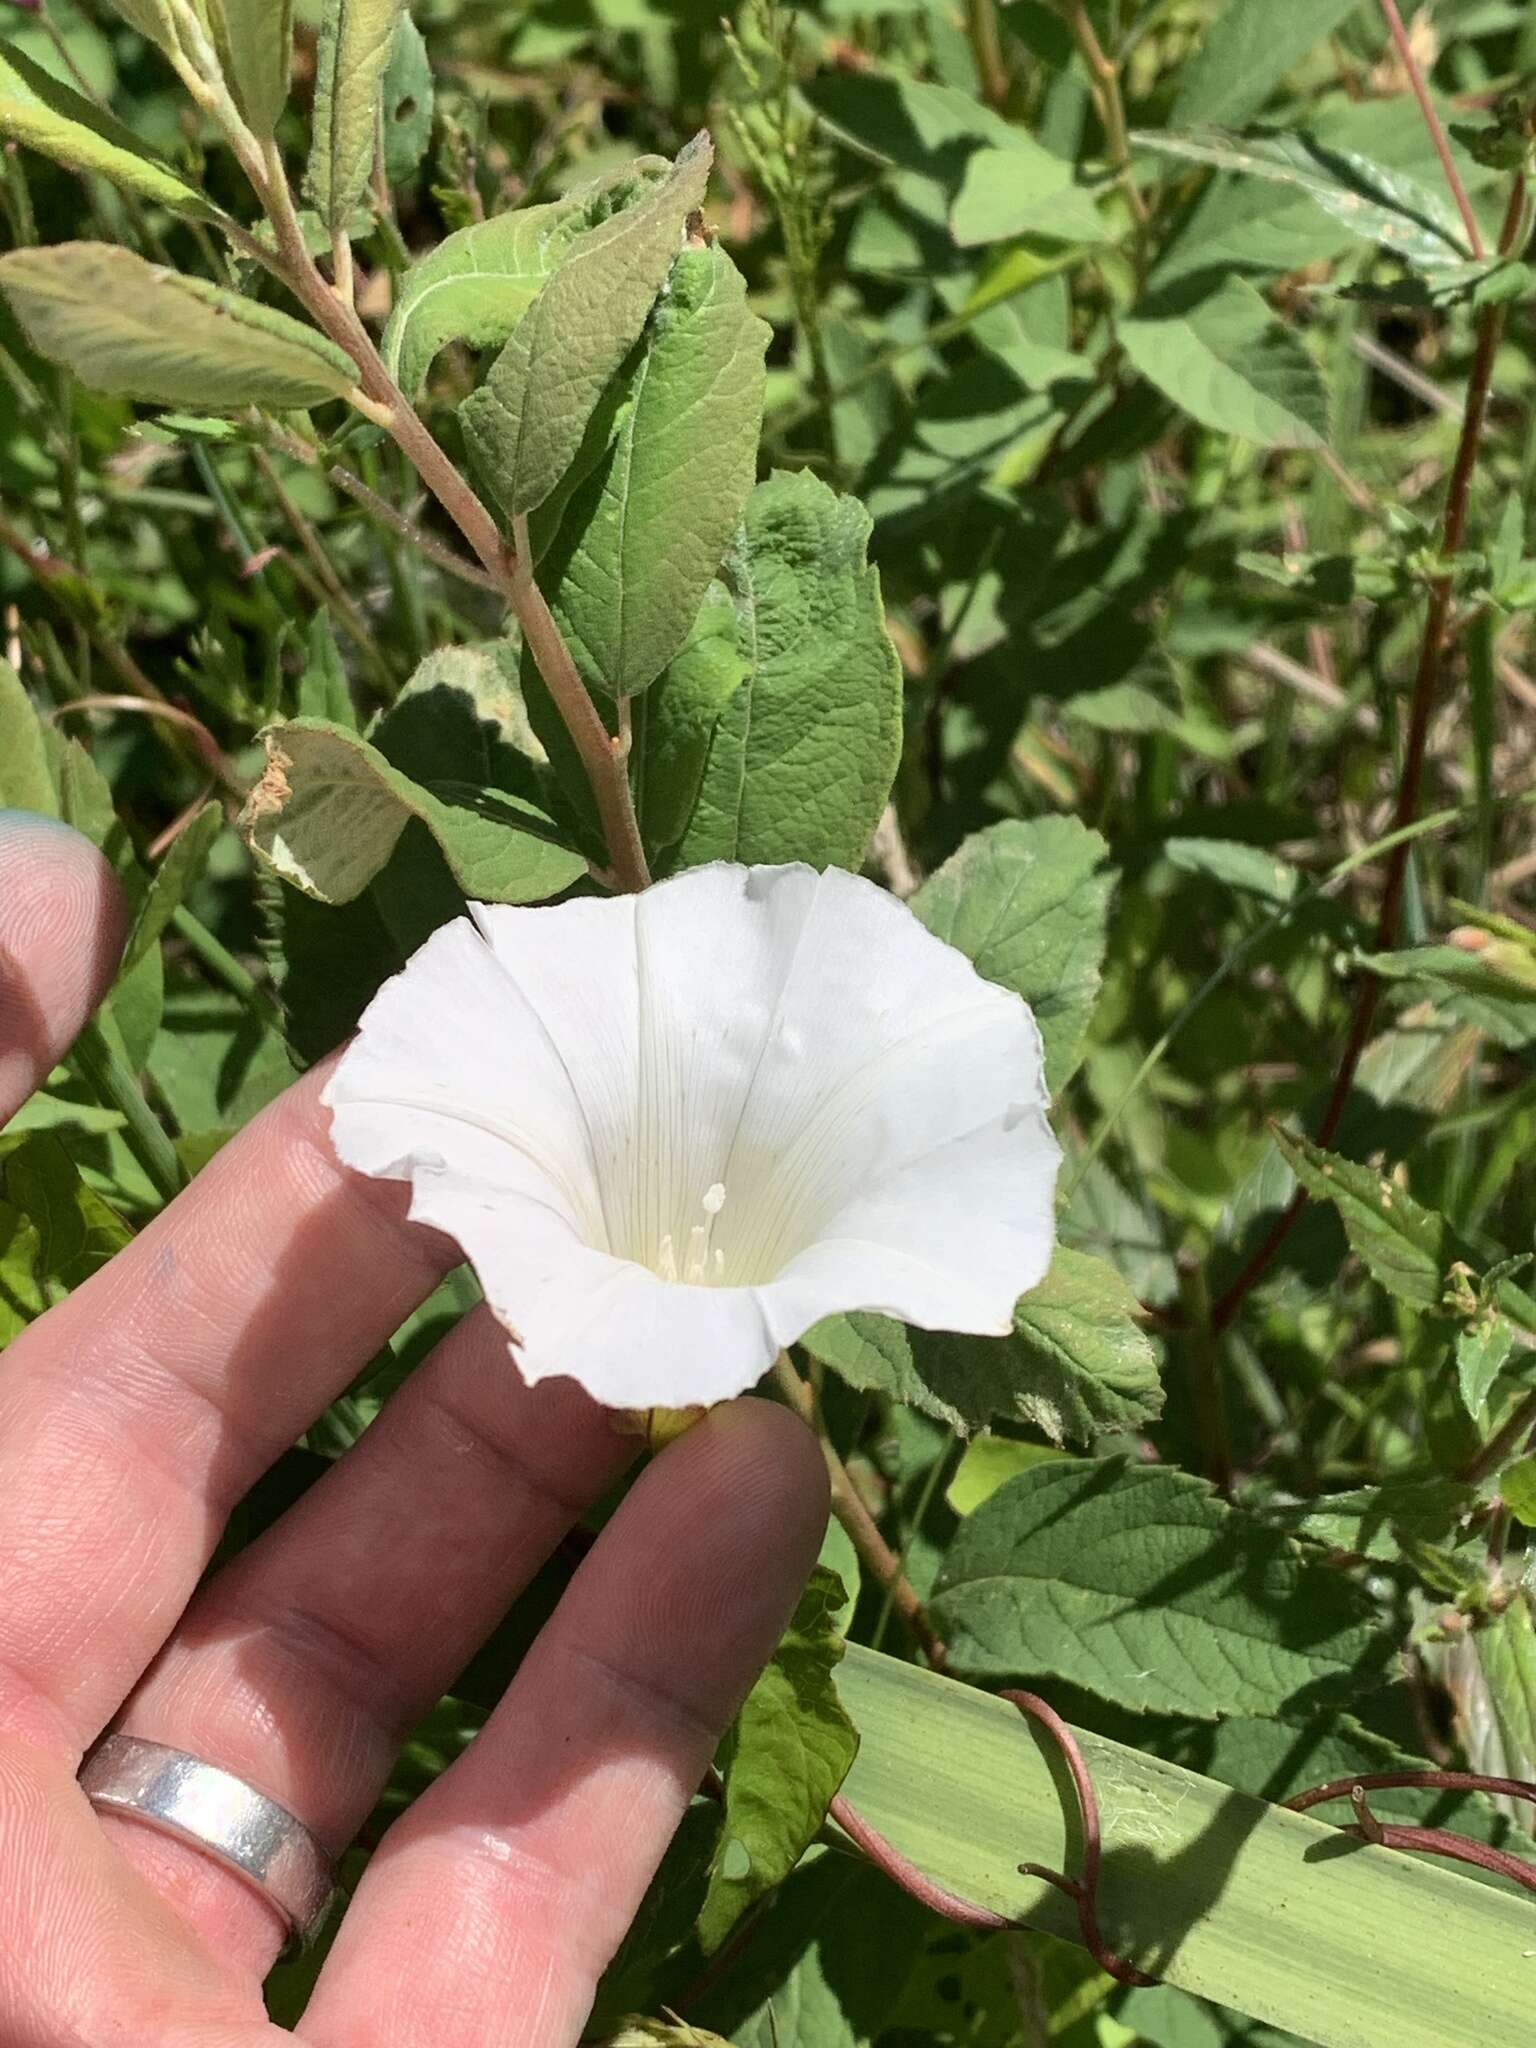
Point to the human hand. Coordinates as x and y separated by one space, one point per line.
137 1412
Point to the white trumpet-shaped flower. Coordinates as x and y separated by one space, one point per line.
671 1131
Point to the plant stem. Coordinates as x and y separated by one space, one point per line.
1207 1391
987 49
222 964
116 1088
1501 1443
1426 692
1104 82
382 400
860 1525
1433 123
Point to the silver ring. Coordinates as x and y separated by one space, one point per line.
242 1829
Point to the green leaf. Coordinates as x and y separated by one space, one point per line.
1408 1248
356 37
804 754
40 110
255 45
526 422
826 1963
323 688
152 18
1246 53
1483 1350
1373 1521
1517 1490
130 327
674 721
1223 356
1027 900
175 875
785 1757
22 1298
476 285
1078 1362
75 1231
1389 207
1022 190
1252 869
643 537
987 1463
25 783
1506 1652
1137 1583
408 100
330 810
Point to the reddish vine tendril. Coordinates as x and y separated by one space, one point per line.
1428 1841
1083 1891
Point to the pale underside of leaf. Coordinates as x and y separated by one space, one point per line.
355 41
127 326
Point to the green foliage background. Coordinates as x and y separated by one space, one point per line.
1084 446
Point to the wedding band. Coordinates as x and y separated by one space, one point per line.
240 1828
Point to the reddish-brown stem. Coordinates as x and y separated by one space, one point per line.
1426 692
1433 123
1083 1891
1427 1841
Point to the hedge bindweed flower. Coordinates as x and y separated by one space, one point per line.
671 1131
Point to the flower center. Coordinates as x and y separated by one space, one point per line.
703 1264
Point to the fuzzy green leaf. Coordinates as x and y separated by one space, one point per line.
643 537
787 1754
330 810
1228 362
1137 1583
1077 1362
805 752
38 109
1027 902
526 422
130 327
356 37
255 44
1247 51
1408 1248
675 720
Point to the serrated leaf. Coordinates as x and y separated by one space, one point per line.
130 327
38 109
1078 1362
356 37
790 1749
675 720
476 285
1246 52
1408 1248
643 537
526 422
407 103
181 867
330 810
1027 900
255 45
1224 358
1380 204
804 754
1137 1583
1483 1350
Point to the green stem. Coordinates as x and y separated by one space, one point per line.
107 1075
216 957
987 50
